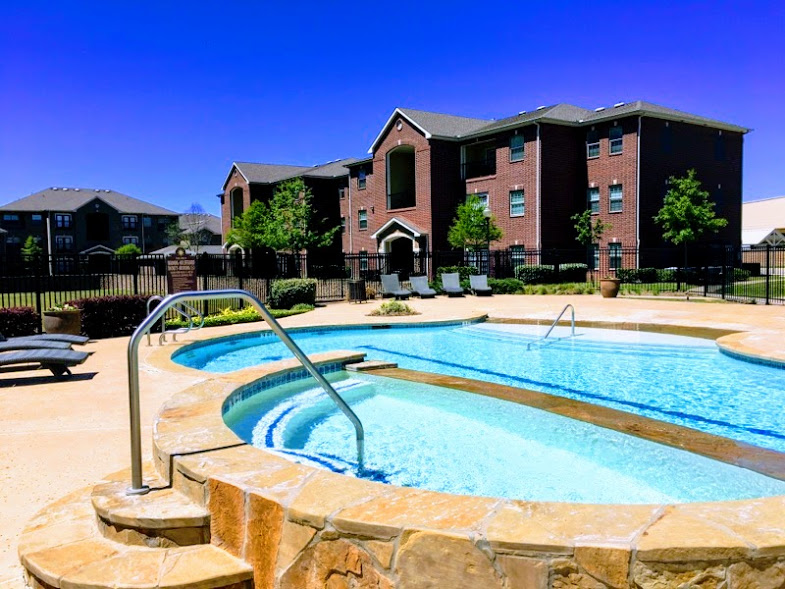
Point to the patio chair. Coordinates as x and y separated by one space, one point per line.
391 287
479 286
420 287
58 361
451 284
56 337
26 344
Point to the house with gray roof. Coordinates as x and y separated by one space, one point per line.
86 221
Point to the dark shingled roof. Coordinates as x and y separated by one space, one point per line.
212 223
272 173
444 125
334 169
71 199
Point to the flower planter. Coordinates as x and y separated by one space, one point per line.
69 322
609 287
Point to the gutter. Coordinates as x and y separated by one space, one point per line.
638 193
539 189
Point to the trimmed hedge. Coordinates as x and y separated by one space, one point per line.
247 315
463 272
505 285
111 316
16 321
573 272
535 274
638 275
285 294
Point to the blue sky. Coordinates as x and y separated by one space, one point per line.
157 99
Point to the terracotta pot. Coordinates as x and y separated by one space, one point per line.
63 322
609 287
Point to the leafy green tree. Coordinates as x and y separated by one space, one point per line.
588 233
470 229
31 250
129 249
174 233
285 223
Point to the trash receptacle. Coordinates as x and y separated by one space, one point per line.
357 291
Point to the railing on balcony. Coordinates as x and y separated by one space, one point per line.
401 200
479 168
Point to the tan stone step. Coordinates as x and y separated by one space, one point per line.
63 547
370 365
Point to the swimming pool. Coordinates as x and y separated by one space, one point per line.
429 437
678 379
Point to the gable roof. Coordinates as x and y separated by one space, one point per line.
431 124
211 223
71 199
272 173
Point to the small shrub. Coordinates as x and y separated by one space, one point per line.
534 274
231 316
463 272
666 275
739 274
111 316
505 285
129 249
285 294
637 275
17 321
572 272
393 308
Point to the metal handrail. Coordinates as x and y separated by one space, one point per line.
174 332
550 329
163 325
137 486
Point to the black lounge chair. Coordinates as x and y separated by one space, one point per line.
479 286
420 287
451 284
52 337
58 361
391 287
29 344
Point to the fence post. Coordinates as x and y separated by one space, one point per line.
768 272
706 280
38 307
724 273
136 275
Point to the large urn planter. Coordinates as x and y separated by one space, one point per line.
609 287
63 321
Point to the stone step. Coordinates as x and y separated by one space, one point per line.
64 548
370 365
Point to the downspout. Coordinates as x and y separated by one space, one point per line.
349 223
538 230
49 239
638 197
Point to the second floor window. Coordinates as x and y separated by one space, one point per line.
130 239
517 204
616 137
594 200
592 144
615 198
64 243
342 193
483 196
62 221
362 220
130 221
147 222
343 224
516 148
361 179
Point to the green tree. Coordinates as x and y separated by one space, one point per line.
31 250
129 249
285 223
470 229
588 233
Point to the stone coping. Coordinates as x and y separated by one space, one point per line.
303 508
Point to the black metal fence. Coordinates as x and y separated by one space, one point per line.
741 274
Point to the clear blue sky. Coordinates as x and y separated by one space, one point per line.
157 99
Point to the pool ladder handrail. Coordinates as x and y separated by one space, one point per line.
550 329
137 486
189 316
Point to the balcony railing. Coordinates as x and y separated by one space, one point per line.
401 200
479 168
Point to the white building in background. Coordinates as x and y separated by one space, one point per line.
763 222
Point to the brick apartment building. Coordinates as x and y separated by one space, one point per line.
84 221
533 170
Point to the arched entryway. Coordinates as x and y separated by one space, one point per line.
401 256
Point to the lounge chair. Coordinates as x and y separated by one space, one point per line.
57 361
420 287
29 344
451 284
391 287
479 286
53 337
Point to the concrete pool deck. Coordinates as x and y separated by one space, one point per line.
61 435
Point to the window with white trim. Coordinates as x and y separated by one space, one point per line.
594 261
592 144
361 179
616 140
64 243
343 224
362 220
516 148
594 199
615 194
62 220
37 218
517 203
614 255
130 221
363 261
484 200
130 239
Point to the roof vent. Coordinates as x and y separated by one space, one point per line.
106 190
599 109
65 189
618 104
521 112
76 189
541 107
54 187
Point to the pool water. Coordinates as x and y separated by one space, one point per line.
678 379
445 440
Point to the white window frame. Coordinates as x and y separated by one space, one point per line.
615 144
129 222
362 217
485 200
592 201
130 239
612 199
592 144
614 255
517 153
63 221
596 255
362 179
522 203
61 241
343 223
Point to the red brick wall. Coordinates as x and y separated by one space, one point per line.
693 146
235 180
447 190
